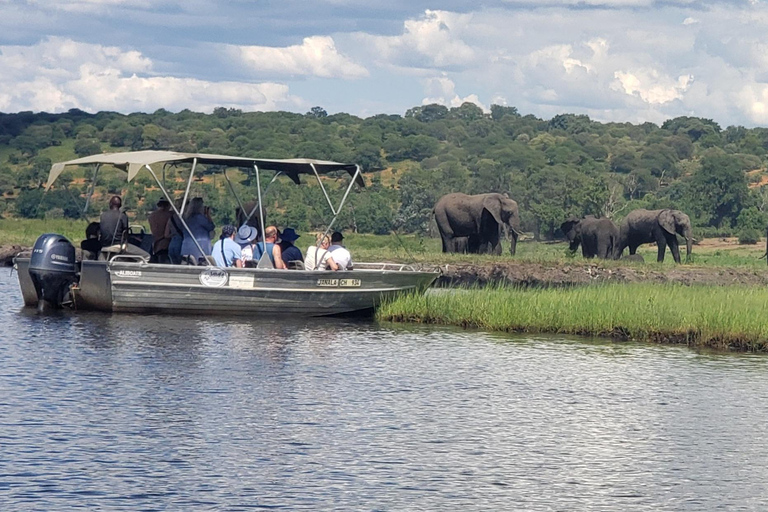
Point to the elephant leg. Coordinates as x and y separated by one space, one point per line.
632 249
662 244
675 248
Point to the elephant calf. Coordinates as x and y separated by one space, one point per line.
597 237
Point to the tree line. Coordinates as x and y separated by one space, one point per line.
554 168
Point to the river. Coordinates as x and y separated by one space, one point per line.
128 412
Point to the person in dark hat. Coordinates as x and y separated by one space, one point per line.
339 253
158 221
291 253
226 252
246 238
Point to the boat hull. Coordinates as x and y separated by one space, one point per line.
133 287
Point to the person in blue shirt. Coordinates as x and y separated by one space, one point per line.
226 252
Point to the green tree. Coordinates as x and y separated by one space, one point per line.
719 189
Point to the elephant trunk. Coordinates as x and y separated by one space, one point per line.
514 233
688 244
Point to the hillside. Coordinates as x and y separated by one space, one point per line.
567 165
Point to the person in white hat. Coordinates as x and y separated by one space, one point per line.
245 238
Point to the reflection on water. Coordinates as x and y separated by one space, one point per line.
130 412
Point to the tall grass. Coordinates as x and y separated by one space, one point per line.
719 317
25 232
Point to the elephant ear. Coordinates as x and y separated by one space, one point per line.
667 221
493 205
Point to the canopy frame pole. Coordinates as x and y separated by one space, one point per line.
189 184
325 193
91 190
343 199
261 210
266 190
234 194
168 197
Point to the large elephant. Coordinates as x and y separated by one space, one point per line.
475 223
248 207
660 226
598 237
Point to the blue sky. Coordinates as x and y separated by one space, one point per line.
615 60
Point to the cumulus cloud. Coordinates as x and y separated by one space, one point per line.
59 74
442 90
316 56
432 41
651 86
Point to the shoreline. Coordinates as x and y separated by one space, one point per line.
729 318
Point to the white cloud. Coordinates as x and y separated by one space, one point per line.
316 56
59 74
433 41
651 86
442 90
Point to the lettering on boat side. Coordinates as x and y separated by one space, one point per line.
213 277
128 273
346 283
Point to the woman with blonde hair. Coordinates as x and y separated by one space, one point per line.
318 257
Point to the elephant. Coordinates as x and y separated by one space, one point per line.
240 215
474 223
598 237
660 226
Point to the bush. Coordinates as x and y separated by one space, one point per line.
749 236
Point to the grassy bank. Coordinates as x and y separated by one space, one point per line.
725 318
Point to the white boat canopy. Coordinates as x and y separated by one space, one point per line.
134 161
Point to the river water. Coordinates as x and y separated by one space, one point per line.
127 412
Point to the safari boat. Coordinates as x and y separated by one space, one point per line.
121 282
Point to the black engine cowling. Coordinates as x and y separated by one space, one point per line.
53 269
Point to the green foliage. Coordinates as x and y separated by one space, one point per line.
749 236
567 165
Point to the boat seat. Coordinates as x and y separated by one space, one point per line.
110 251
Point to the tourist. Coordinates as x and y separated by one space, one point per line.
292 256
340 254
158 222
113 223
318 257
270 247
199 222
226 252
246 238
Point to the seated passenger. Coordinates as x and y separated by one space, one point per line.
226 252
269 247
318 257
91 245
340 253
158 222
246 238
200 223
292 256
113 223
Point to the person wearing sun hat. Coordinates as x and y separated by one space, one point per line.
245 238
226 252
291 253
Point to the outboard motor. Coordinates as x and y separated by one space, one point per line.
52 268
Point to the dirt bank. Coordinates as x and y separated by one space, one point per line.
579 273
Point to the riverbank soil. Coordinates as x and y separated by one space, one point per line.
578 271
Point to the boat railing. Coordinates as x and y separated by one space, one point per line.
397 267
128 258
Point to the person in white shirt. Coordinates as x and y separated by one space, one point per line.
339 253
318 257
